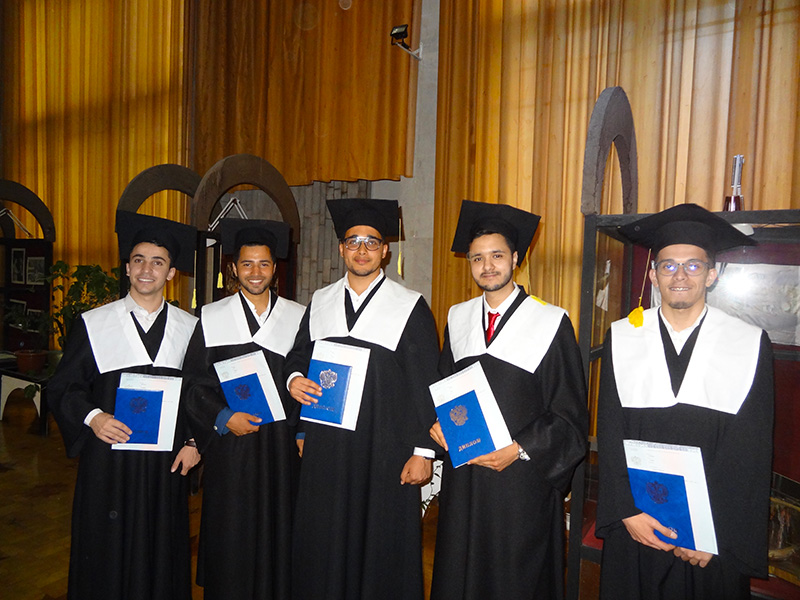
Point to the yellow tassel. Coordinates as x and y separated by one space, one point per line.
220 283
194 298
400 264
636 316
400 249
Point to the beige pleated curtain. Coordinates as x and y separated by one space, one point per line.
92 95
96 91
706 79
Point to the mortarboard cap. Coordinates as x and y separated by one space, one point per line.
685 224
236 233
517 225
382 215
179 239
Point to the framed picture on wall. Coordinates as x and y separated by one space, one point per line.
18 265
33 320
35 270
16 313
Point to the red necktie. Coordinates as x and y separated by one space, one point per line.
490 329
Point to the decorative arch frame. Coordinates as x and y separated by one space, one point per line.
240 169
611 123
157 179
12 191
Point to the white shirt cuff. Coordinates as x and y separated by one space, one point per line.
424 452
92 414
292 376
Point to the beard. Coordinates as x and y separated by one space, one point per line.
493 287
680 305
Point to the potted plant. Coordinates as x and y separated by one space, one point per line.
35 326
87 287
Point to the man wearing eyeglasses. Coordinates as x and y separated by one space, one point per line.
694 380
357 527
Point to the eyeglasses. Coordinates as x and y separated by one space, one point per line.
354 242
693 268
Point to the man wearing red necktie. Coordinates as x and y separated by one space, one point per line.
505 508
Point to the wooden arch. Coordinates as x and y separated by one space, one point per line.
157 179
239 169
611 122
16 192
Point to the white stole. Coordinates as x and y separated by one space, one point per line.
523 340
225 324
720 372
116 343
382 321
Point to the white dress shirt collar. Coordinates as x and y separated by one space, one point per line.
679 337
260 318
357 299
142 316
502 309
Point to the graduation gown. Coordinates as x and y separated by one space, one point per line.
501 535
130 519
245 528
357 529
724 406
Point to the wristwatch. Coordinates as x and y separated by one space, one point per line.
521 454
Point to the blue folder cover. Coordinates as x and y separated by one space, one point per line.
140 410
663 496
245 394
465 429
334 379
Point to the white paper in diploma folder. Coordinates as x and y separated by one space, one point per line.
668 483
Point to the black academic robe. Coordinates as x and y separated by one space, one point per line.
501 535
245 530
737 454
130 518
357 529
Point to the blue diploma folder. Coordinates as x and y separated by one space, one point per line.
334 379
245 394
465 429
140 410
663 496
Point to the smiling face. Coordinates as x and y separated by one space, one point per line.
363 263
148 270
254 270
492 263
680 291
